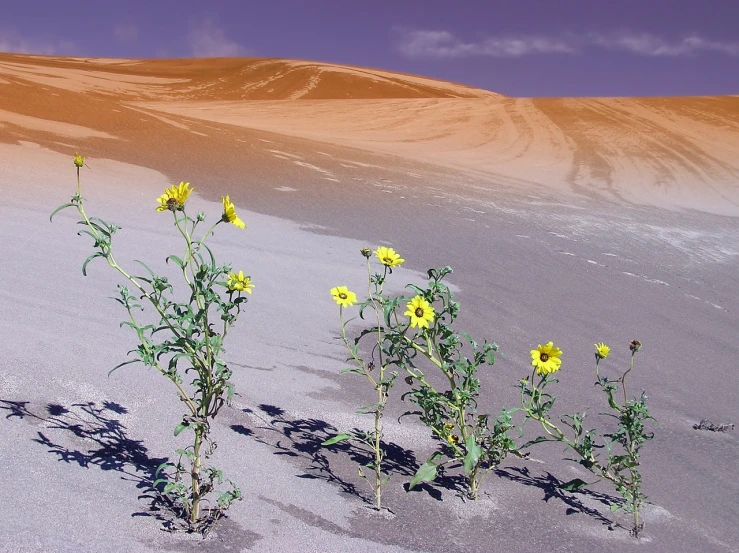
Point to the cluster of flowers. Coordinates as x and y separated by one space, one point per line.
546 358
421 313
174 199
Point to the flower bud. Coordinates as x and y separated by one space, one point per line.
366 252
634 346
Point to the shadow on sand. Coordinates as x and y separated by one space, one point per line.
107 444
302 438
552 487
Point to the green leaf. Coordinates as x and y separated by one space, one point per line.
180 427
366 409
336 439
58 209
176 259
212 257
84 265
573 485
158 481
145 266
474 452
535 441
425 473
119 365
352 370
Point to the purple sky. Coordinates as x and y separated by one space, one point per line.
516 47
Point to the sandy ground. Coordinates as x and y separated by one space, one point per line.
533 262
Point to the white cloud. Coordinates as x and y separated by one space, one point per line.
126 33
208 40
13 42
443 44
647 44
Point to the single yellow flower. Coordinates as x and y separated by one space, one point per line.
602 350
79 160
388 257
546 358
453 439
239 282
343 296
229 213
174 197
420 312
448 427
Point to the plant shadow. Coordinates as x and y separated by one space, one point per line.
106 445
552 487
304 438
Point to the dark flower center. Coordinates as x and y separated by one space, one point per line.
419 312
387 260
544 357
343 296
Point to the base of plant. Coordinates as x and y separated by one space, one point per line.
176 520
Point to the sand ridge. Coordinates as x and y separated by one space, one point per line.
663 152
676 153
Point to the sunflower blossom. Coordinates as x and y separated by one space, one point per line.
229 213
343 296
239 282
546 358
602 350
174 197
388 257
420 312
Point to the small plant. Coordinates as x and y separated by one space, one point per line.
421 335
375 369
474 441
622 447
182 340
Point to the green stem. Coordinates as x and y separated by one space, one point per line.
195 475
380 388
378 453
623 378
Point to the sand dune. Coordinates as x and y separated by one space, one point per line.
667 152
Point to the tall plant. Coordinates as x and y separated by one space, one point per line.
185 339
620 464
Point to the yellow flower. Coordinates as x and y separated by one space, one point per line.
239 282
174 197
388 257
420 312
452 439
79 160
229 213
602 350
343 296
546 358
